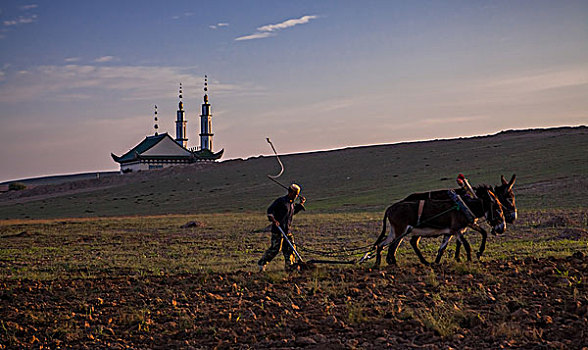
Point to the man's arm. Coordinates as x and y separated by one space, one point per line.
300 206
273 219
271 211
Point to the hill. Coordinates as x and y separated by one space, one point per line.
59 179
551 167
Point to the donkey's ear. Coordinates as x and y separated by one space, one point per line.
503 180
512 181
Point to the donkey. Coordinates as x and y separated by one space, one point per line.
504 194
436 218
507 198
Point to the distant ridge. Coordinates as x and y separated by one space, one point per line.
57 179
551 166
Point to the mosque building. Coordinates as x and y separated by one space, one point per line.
161 150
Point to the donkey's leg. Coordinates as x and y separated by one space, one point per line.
444 243
414 242
457 250
466 246
391 256
379 244
378 256
484 237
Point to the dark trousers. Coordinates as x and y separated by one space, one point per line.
278 243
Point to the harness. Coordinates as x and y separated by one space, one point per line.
462 206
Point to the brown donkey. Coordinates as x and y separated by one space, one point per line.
436 218
503 192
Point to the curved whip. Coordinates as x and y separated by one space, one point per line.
274 177
278 158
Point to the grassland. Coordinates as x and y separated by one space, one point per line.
108 264
551 167
147 282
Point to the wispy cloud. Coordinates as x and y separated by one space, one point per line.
104 59
29 7
185 14
74 82
452 120
538 81
269 29
218 25
71 59
21 20
255 36
286 24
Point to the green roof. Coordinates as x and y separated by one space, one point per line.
206 154
144 146
136 152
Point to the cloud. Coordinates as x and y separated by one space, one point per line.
29 7
286 24
452 120
255 36
70 83
21 20
71 59
104 59
218 25
267 30
538 81
185 14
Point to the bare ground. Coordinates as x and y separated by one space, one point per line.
531 303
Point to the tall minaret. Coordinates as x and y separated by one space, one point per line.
206 121
181 123
156 125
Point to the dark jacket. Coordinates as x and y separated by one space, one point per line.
283 209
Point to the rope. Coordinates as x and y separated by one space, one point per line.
341 253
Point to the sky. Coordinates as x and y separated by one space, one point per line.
79 79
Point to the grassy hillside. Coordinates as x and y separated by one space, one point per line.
551 167
59 179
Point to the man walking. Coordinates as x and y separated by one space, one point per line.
280 214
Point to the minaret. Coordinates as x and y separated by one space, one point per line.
206 121
156 126
181 123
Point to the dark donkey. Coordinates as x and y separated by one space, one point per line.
436 218
505 195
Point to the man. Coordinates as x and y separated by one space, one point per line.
280 214
465 185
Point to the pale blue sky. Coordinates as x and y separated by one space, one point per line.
78 79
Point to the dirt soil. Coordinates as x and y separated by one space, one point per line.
528 304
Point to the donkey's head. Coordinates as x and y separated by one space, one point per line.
492 209
507 198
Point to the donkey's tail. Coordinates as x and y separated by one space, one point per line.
383 234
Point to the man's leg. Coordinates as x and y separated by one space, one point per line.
272 251
289 258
